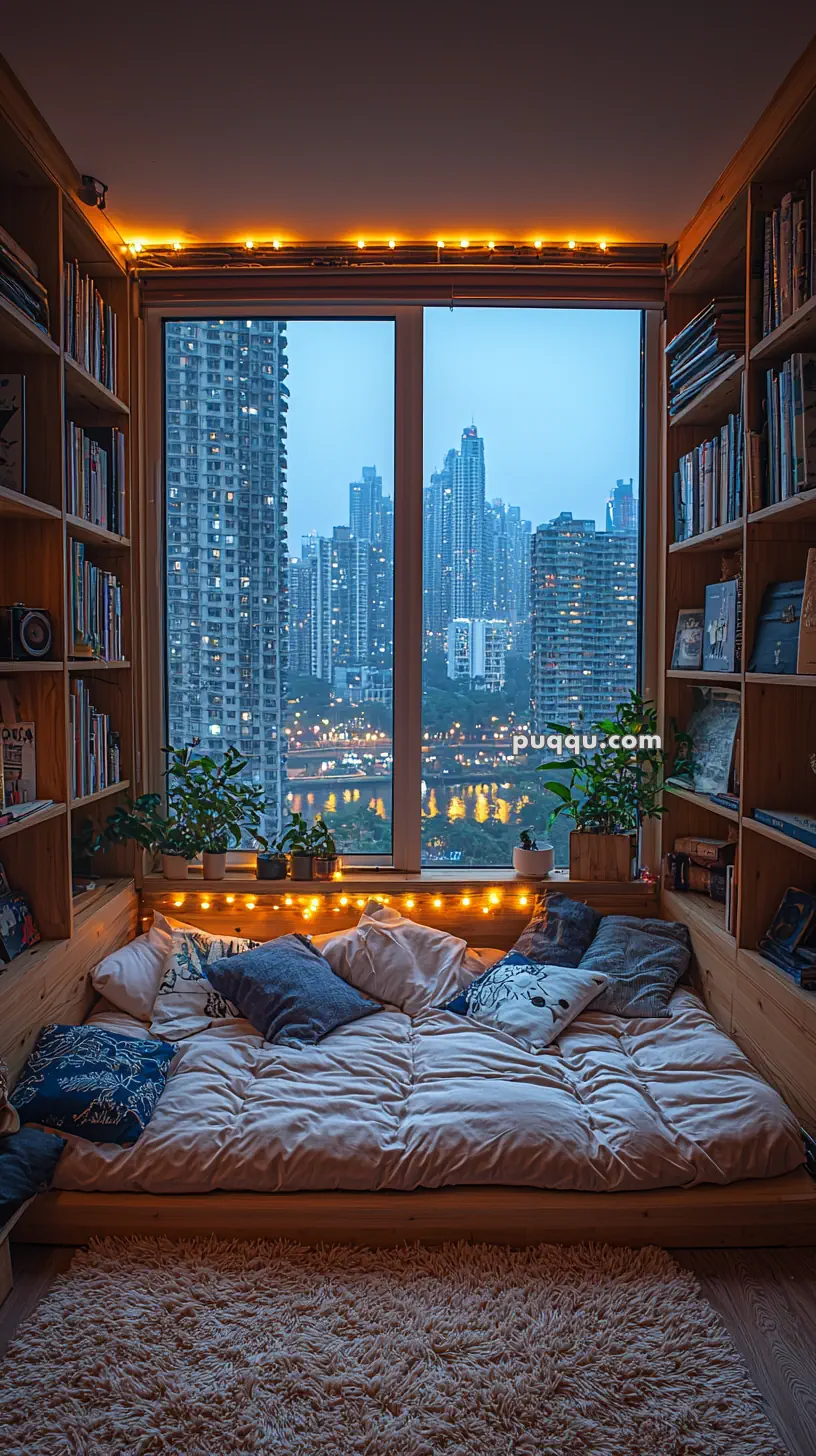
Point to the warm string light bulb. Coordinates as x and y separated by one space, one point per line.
538 244
437 903
361 242
205 904
409 904
178 901
465 901
230 899
276 243
464 243
491 245
249 245
571 244
250 904
602 245
440 242
344 899
392 242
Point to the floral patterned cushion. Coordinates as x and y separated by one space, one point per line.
185 1001
527 999
93 1082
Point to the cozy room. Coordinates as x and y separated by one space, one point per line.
407 732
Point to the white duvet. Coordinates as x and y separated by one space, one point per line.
400 1103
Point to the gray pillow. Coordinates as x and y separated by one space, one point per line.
643 961
288 990
560 930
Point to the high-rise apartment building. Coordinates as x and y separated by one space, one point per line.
467 525
584 587
437 554
226 557
622 507
476 648
300 617
366 505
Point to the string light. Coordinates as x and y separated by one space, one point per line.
360 904
494 897
344 899
250 904
338 875
179 901
571 244
602 245
522 900
440 242
464 243
485 909
491 245
437 904
538 244
392 242
287 900
249 245
465 901
177 247
276 243
205 904
409 904
230 899
361 242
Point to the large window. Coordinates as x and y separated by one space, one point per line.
281 482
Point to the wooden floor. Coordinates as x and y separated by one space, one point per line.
766 1297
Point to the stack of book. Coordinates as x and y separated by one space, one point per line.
790 424
704 349
96 757
708 483
95 476
96 609
20 281
90 326
789 258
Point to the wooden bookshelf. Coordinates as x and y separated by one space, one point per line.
43 214
721 253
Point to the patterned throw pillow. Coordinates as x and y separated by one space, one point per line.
92 1082
530 1000
560 930
185 1001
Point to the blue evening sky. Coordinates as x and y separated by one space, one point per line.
555 393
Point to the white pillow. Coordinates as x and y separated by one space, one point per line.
529 1000
185 1001
129 977
393 959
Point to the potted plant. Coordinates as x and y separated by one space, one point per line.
306 844
142 821
215 801
271 865
529 859
610 790
326 858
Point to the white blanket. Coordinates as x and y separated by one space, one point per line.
390 1102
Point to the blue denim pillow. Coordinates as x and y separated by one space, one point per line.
27 1162
288 990
92 1082
560 930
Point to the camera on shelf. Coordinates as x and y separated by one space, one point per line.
25 633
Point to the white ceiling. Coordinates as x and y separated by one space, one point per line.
330 120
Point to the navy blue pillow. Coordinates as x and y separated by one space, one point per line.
93 1082
27 1162
288 990
560 930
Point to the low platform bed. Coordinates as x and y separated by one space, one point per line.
752 1213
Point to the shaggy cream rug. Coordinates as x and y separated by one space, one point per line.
232 1349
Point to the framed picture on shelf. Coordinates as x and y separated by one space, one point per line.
720 638
688 639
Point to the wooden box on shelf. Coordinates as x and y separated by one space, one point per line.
600 856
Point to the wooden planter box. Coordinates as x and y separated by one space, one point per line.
600 856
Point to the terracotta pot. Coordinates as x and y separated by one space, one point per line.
174 867
215 865
534 864
301 866
600 856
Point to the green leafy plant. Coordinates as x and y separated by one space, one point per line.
300 837
142 821
612 790
527 840
213 799
86 841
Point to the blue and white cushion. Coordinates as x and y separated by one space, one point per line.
186 1002
528 999
92 1082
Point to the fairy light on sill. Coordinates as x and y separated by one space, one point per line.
494 898
523 900
361 242
491 245
249 245
538 244
465 901
392 243
440 242
205 904
603 245
250 904
485 909
338 875
464 243
276 244
230 899
178 901
287 899
571 245
409 904
437 903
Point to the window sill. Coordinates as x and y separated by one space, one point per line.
242 881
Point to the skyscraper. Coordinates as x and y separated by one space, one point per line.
467 525
436 554
476 652
365 505
584 620
226 557
622 507
300 617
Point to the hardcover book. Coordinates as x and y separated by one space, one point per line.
19 762
17 926
12 432
720 638
688 639
796 826
713 730
776 640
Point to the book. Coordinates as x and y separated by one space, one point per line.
707 484
712 729
12 432
688 639
18 929
796 826
95 476
776 639
90 326
19 763
720 634
789 940
96 609
12 246
806 647
96 752
708 345
704 849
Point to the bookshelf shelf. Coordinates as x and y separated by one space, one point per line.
25 507
728 535
716 402
94 535
684 674
700 913
19 334
768 832
42 816
802 507
97 664
27 667
84 392
782 679
703 802
100 794
797 332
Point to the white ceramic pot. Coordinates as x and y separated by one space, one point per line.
215 865
174 867
534 864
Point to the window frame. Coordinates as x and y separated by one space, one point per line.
408 321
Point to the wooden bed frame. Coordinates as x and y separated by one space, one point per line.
754 1213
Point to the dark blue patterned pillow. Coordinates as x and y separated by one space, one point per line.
93 1083
529 1000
